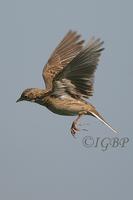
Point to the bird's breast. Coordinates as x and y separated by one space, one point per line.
65 106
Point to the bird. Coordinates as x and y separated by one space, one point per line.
69 79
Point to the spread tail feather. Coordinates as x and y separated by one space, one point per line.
98 116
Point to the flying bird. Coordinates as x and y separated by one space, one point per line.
69 78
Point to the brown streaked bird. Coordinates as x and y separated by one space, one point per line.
69 77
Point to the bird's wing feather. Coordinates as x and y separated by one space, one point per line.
76 79
67 49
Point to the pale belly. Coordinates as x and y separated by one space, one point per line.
69 107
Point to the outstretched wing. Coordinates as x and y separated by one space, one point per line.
77 78
67 49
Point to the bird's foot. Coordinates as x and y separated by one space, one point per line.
74 129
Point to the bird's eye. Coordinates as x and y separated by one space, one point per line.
25 97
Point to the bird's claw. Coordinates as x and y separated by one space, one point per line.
74 129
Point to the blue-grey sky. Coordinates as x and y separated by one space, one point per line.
39 159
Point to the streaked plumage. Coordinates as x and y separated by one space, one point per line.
69 77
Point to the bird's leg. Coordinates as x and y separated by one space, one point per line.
74 129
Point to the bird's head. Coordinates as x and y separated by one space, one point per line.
31 94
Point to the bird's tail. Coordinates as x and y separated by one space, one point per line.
98 116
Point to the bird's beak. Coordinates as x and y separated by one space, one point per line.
19 100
